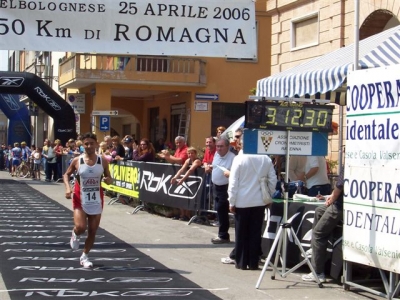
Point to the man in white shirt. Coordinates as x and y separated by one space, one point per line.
316 176
246 202
221 165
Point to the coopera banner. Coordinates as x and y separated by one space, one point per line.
217 28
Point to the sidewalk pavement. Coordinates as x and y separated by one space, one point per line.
187 249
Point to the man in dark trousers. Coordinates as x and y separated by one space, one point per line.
326 218
221 166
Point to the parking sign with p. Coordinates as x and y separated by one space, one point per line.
104 123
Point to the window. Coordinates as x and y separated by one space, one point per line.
305 31
224 114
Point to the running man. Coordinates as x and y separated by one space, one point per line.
87 198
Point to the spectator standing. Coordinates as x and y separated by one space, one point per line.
51 158
16 154
2 157
104 151
25 152
129 147
188 167
159 145
236 145
245 200
117 148
209 153
220 130
316 176
37 160
9 158
297 164
59 152
145 152
108 141
207 164
180 155
326 218
221 165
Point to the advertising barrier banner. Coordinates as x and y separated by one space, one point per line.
150 182
155 186
372 169
126 176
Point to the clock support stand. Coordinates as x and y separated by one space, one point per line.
285 228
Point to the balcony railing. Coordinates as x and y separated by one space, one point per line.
84 69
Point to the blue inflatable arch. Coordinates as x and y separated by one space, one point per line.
19 126
24 83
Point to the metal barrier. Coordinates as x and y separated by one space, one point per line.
65 161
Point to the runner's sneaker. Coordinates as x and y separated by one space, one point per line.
85 262
310 277
74 242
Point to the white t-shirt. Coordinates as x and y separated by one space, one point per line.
321 177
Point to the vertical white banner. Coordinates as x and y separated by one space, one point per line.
372 169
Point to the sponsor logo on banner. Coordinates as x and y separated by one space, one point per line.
11 81
10 101
187 190
91 181
50 101
125 179
142 292
99 280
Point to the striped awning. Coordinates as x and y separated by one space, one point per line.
323 77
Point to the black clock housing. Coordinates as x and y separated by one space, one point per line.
284 115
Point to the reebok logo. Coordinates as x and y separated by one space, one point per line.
187 189
11 81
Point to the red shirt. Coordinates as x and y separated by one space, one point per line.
209 156
182 153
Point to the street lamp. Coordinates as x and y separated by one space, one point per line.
40 69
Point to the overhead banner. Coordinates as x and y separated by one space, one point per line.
372 169
216 28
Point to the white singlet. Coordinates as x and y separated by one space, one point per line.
89 186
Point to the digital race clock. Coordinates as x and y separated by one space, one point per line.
296 116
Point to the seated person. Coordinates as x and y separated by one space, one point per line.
191 164
326 218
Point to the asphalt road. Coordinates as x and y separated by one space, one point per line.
187 250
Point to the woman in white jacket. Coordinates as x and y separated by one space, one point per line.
245 200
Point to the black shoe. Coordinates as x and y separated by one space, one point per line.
218 240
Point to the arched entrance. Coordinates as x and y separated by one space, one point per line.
376 22
45 97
